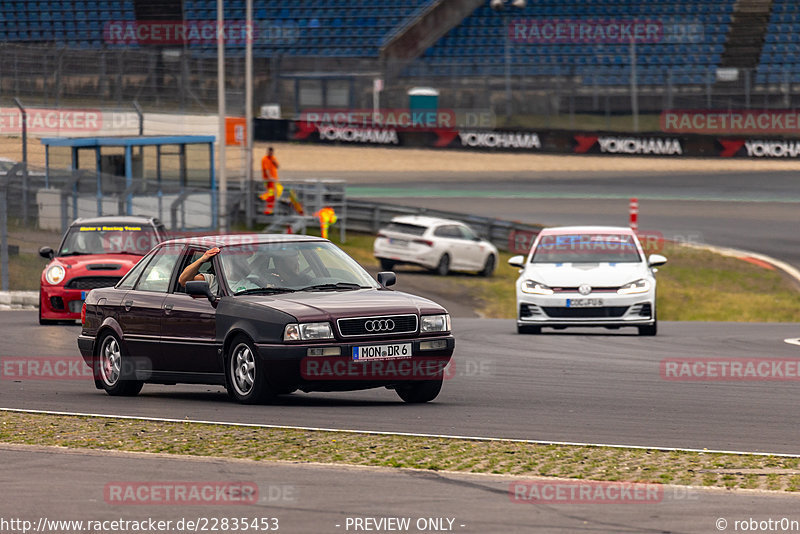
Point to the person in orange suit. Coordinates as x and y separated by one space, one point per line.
269 172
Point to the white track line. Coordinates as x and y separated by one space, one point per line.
792 341
409 434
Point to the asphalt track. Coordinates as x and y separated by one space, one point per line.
330 499
596 387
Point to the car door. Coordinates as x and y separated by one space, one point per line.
473 247
447 237
141 310
460 248
188 325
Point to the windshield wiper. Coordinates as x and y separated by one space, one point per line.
78 253
347 286
265 290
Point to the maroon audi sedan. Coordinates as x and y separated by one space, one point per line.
263 315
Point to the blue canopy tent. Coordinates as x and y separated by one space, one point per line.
155 166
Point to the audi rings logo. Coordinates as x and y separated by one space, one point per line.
379 325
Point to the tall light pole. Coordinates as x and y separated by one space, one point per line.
222 173
501 5
248 113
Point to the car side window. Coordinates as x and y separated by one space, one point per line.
158 273
133 275
466 233
447 231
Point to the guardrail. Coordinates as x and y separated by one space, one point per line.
510 236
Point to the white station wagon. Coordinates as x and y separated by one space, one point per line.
442 245
586 276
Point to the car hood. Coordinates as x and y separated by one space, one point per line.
323 305
594 274
119 263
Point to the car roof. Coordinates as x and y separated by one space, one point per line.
116 219
223 240
558 230
423 220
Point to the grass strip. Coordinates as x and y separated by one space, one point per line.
436 454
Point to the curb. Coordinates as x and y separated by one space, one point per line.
744 255
19 300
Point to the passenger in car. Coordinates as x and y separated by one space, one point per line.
191 272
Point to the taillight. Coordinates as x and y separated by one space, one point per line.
426 242
381 234
83 314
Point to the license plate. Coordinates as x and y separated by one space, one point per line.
398 242
382 352
584 303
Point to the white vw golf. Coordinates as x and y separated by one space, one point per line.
586 276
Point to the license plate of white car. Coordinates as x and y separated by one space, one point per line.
584 303
398 242
382 352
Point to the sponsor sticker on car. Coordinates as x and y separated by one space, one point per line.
382 352
584 303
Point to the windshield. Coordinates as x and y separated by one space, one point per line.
309 266
586 248
108 239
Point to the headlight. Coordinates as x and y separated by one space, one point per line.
307 331
434 323
55 274
529 286
639 286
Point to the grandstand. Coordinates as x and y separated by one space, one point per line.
459 46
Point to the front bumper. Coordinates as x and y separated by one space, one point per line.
56 302
617 310
292 367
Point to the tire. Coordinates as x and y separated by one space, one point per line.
246 378
387 265
444 265
528 329
111 372
648 330
419 392
489 266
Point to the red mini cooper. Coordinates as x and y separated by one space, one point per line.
94 253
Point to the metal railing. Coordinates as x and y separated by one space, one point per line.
363 216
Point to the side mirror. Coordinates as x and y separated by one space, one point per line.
199 288
517 261
654 260
47 253
387 278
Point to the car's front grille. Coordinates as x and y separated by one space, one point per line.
384 325
568 313
594 289
92 282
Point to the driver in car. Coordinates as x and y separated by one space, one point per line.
191 272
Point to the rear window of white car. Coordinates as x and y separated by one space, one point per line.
406 228
586 248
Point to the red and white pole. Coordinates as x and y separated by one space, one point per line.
633 212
